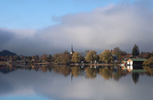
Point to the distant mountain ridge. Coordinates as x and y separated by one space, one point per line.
6 52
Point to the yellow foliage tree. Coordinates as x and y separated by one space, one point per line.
91 56
105 56
76 57
148 61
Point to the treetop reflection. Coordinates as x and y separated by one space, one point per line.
88 72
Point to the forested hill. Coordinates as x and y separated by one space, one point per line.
6 52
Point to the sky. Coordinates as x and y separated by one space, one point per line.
30 27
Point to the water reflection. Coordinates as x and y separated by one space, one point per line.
91 72
76 83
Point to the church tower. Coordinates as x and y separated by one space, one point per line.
72 50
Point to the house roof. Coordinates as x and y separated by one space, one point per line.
137 59
138 70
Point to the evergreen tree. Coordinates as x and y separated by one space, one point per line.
50 57
135 50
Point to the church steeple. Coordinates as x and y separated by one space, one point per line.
72 49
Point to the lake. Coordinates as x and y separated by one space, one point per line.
75 83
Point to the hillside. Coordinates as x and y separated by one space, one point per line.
6 52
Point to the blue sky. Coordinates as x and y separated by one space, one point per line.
24 97
30 27
23 14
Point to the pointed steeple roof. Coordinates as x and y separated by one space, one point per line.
72 49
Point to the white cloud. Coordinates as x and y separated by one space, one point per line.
121 25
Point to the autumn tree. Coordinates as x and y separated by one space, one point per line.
36 57
91 55
66 56
135 50
82 55
105 56
62 57
148 61
55 57
123 53
29 58
86 51
44 57
117 51
58 57
148 55
76 57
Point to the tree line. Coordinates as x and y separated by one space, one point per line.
90 56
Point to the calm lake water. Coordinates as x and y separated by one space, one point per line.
75 83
